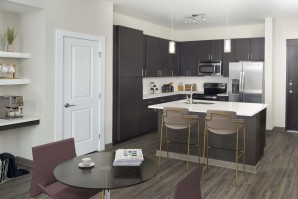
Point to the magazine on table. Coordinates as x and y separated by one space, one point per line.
128 157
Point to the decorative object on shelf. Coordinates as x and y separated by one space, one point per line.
10 35
194 17
172 43
7 71
192 87
180 87
153 88
227 41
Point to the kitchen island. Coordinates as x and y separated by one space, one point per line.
254 116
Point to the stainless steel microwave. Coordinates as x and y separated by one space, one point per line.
209 68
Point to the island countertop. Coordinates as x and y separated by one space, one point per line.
201 106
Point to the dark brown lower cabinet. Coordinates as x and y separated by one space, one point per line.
128 109
149 116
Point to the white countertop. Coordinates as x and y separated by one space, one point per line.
155 95
26 118
241 108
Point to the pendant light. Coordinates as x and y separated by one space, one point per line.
172 43
227 41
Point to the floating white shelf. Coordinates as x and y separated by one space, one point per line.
14 81
5 54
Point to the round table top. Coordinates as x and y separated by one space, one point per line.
103 175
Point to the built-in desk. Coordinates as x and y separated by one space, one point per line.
254 116
18 122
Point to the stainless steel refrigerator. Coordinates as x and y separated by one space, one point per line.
246 82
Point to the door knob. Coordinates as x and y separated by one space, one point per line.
68 105
290 91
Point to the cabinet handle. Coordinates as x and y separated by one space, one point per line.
145 73
251 56
187 72
211 57
142 72
248 56
172 73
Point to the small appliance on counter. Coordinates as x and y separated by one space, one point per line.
11 107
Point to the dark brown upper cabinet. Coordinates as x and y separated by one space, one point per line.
188 58
129 45
210 50
157 57
251 49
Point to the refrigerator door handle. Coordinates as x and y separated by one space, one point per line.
240 87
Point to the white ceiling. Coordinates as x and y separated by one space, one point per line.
241 12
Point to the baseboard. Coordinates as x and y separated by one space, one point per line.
108 146
213 162
278 129
24 161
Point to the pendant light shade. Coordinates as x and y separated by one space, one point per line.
172 47
227 41
227 45
172 43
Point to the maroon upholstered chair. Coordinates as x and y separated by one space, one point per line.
45 158
190 186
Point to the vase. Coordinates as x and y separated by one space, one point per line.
10 47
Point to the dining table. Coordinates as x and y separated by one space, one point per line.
102 174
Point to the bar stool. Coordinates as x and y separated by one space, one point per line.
177 119
224 123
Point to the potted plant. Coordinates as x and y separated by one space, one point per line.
10 36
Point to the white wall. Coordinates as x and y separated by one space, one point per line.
94 17
147 27
247 31
283 29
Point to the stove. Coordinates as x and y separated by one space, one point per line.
210 91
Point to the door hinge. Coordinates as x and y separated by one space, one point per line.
99 54
99 136
99 95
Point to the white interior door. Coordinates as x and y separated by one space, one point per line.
81 88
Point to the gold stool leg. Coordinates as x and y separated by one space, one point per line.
167 143
236 156
199 142
204 150
160 144
244 150
188 144
207 147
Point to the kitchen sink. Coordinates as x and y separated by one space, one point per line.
207 103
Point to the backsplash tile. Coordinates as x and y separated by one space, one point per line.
199 81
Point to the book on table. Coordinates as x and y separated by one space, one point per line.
128 157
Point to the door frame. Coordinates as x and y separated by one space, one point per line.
60 34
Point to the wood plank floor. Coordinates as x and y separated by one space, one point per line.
277 175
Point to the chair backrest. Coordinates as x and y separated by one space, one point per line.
220 122
173 117
45 158
190 186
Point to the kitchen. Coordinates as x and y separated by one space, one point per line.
40 68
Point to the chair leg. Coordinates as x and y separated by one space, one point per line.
188 144
199 142
167 143
101 195
237 136
160 144
207 147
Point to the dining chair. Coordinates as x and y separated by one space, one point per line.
224 123
45 158
190 186
178 119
